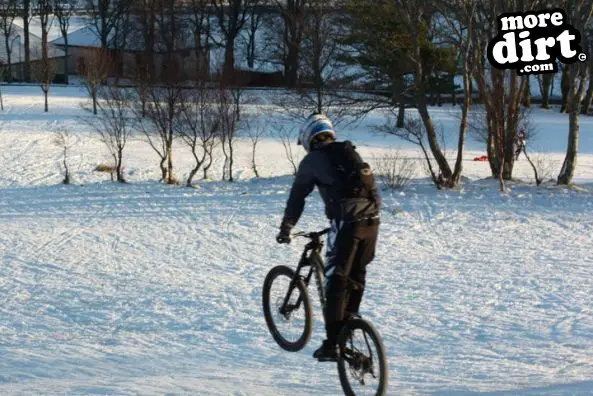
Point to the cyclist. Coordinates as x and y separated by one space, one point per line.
354 225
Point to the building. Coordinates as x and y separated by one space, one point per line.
17 68
132 56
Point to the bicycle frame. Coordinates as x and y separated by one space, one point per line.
311 257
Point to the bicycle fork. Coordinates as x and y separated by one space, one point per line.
316 267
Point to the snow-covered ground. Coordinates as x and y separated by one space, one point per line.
151 289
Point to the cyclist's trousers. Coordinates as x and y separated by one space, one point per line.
350 247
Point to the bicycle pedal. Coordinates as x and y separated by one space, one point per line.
327 359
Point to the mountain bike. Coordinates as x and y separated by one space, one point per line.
287 308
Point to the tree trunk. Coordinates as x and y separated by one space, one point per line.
164 177
207 165
538 181
170 162
45 92
226 156
570 161
251 50
511 123
196 168
546 86
66 52
8 67
66 171
433 141
509 153
94 95
564 87
493 159
589 96
119 168
575 98
462 126
229 61
253 164
401 115
291 68
192 173
231 160
26 12
526 99
453 93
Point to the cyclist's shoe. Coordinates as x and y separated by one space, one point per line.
327 352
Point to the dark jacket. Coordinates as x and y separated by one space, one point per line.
316 170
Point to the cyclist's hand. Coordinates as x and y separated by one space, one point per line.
283 237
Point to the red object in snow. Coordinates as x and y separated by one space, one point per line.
482 158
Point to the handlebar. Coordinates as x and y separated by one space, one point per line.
311 235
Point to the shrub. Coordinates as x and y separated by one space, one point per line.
394 170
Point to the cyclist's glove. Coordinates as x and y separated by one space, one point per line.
283 236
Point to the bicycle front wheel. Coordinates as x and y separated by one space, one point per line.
287 308
361 364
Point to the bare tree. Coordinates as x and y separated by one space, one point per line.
501 91
288 137
199 21
8 12
394 170
112 25
199 125
63 11
231 16
526 96
63 140
1 99
413 132
46 69
564 87
461 25
254 23
588 101
94 67
159 125
403 47
44 72
320 65
113 123
580 13
542 167
163 98
419 21
209 149
285 36
107 17
256 131
229 114
545 82
145 32
26 16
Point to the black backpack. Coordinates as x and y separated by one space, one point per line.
355 177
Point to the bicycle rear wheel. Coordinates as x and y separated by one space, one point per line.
290 324
361 364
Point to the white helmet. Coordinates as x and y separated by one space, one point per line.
315 125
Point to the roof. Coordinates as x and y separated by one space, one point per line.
89 37
17 45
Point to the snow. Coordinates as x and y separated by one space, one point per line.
151 289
